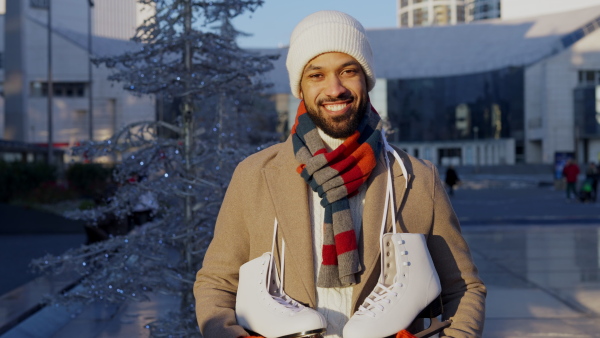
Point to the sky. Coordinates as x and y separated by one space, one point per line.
272 24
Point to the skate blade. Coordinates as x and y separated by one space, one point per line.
435 327
318 333
307 334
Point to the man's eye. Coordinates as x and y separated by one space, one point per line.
314 76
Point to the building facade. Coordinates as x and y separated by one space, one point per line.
77 87
417 13
489 92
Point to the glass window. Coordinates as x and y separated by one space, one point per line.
442 15
60 89
404 20
448 108
469 158
36 89
590 77
42 4
427 154
586 111
80 90
463 119
404 3
420 17
460 13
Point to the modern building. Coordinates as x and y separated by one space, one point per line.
85 105
482 10
488 92
417 13
517 9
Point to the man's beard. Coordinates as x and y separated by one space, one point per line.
339 127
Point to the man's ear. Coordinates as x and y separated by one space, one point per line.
301 94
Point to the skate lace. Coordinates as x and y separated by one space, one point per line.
288 303
377 300
285 300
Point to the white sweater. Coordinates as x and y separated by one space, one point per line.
334 303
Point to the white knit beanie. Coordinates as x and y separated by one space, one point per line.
324 32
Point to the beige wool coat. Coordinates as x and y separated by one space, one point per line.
266 185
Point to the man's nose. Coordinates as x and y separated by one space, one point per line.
335 87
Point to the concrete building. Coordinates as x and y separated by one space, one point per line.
416 13
489 92
24 70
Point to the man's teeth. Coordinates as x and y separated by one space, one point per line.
335 107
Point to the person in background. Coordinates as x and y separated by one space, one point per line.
570 173
451 179
591 175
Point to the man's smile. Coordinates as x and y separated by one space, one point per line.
337 108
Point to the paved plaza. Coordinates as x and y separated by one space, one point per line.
538 254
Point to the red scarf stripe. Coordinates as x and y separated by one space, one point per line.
353 179
345 241
344 150
362 157
329 255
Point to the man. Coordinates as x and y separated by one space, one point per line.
451 179
338 133
570 172
591 177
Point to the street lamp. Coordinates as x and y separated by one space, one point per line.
50 87
475 137
90 97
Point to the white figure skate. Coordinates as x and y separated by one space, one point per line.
263 308
407 284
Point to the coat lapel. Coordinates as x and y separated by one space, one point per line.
289 194
373 215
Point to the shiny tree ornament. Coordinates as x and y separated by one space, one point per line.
188 58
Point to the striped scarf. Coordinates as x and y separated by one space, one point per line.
336 176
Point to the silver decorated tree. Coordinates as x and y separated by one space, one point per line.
187 57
